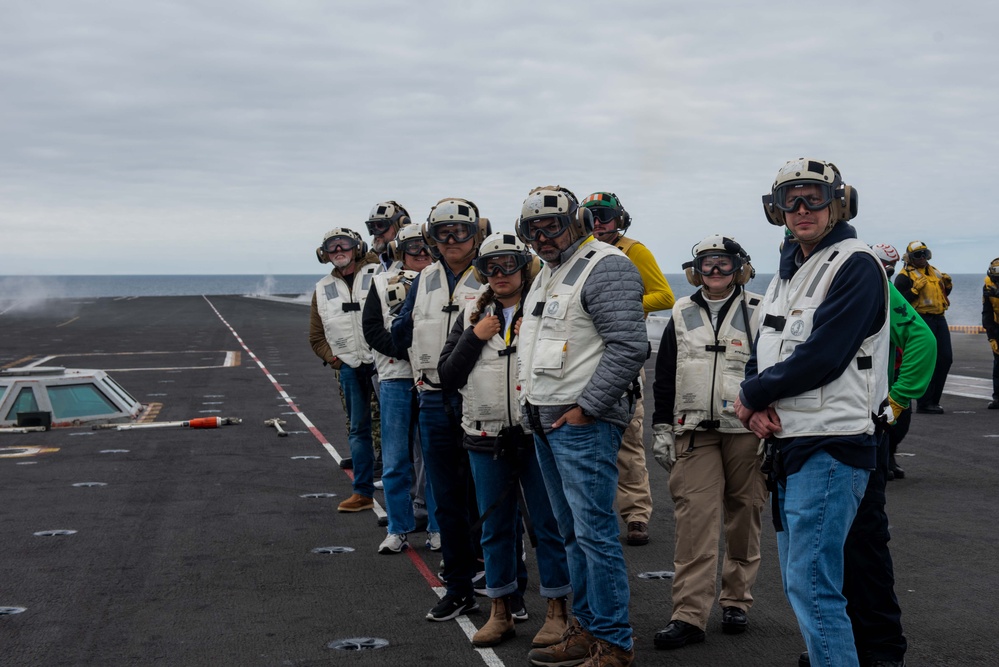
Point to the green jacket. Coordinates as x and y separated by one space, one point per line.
918 347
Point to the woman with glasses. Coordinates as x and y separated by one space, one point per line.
712 458
480 361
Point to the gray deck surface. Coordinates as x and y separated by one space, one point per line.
198 549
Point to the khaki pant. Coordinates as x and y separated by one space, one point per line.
634 498
719 479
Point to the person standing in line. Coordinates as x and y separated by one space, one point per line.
990 320
713 460
818 373
437 295
479 360
634 497
336 337
869 574
582 343
408 255
928 289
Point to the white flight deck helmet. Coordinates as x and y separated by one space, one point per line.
554 201
505 243
360 249
834 193
397 246
454 210
716 244
888 256
385 215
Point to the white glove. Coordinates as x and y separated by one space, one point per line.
891 411
664 447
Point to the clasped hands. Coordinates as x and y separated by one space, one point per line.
763 423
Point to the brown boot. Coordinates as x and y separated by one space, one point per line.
556 622
356 503
498 628
605 654
571 650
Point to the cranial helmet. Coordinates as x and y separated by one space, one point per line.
839 197
407 233
386 215
888 256
917 246
554 201
714 245
994 269
360 247
601 201
397 289
454 210
504 244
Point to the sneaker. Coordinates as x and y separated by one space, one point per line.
517 608
638 534
479 583
393 544
356 503
434 541
452 606
379 485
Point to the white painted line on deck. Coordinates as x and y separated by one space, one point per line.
969 387
487 654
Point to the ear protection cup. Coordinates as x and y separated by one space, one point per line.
321 255
584 222
693 277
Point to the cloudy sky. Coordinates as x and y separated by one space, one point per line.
153 137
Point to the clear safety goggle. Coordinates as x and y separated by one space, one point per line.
548 226
459 232
414 247
723 264
814 196
378 226
506 264
340 244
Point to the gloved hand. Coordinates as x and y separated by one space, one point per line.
891 411
664 447
995 345
918 282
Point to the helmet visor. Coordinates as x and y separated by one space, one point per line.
459 232
722 263
548 226
378 226
339 244
815 196
414 247
919 254
505 263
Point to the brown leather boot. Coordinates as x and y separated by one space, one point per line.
498 628
605 654
556 622
573 649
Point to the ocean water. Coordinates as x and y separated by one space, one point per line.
25 292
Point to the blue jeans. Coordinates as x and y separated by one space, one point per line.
357 388
500 528
446 463
579 464
397 468
817 508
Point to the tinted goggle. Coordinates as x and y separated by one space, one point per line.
919 254
789 197
505 264
549 226
723 264
604 214
459 232
340 244
414 247
378 226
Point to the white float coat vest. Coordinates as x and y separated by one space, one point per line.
559 346
340 308
485 407
434 313
845 405
710 368
389 368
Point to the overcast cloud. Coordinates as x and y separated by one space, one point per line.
225 137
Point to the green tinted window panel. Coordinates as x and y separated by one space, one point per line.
25 402
78 400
